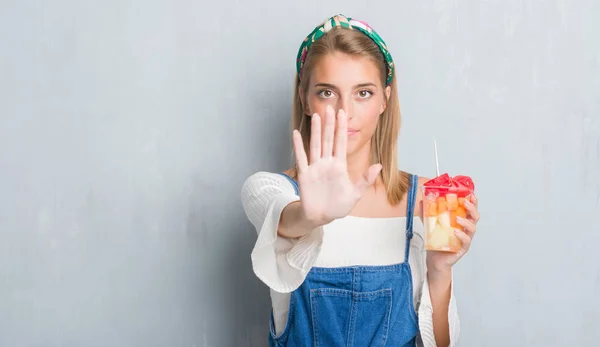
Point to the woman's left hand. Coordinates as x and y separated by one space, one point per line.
443 261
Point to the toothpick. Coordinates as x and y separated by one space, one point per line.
437 164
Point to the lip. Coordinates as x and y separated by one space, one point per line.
352 132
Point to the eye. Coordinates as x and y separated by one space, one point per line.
326 93
364 93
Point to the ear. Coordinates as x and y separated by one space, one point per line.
388 92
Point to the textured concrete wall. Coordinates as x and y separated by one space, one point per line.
128 127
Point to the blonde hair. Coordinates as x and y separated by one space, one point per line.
384 142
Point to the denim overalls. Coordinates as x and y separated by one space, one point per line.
356 306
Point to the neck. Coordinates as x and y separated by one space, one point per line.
358 162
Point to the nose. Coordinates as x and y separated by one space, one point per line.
345 103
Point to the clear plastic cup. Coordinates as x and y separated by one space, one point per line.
441 206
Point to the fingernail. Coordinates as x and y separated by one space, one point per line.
468 203
460 219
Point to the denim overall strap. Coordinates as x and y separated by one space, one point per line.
410 208
293 181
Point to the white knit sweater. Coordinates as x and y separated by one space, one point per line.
282 264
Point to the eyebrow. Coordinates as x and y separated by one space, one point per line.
331 86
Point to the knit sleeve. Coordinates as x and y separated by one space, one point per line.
425 314
281 263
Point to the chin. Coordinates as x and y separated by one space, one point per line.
353 150
354 147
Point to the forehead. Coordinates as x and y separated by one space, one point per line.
343 69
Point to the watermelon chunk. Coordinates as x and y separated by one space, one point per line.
459 185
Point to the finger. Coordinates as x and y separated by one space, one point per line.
341 135
327 145
474 200
464 239
469 226
301 161
472 211
368 178
315 138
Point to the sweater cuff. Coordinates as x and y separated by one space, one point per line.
282 263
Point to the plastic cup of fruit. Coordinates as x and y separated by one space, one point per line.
441 206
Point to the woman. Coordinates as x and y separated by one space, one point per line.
337 242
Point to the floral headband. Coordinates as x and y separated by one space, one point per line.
345 22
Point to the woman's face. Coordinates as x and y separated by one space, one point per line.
351 83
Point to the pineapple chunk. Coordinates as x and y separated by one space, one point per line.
438 238
430 223
444 219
